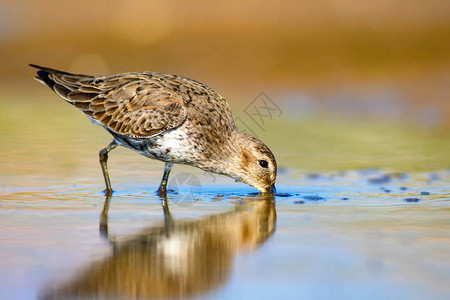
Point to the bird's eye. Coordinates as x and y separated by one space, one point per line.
263 163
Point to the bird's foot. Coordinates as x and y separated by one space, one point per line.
108 192
162 192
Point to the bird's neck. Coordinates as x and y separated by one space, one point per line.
226 158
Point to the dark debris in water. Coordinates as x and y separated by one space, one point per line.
380 180
411 200
344 198
283 195
403 188
313 197
387 191
299 202
313 176
424 193
253 193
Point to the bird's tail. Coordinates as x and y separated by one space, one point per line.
61 82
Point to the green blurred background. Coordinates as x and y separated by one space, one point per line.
349 75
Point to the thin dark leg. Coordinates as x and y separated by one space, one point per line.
162 187
103 155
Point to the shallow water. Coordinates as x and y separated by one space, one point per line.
362 211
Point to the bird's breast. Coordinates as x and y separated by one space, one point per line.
174 146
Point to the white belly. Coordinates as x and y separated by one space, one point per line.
172 146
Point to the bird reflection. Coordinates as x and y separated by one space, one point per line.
176 259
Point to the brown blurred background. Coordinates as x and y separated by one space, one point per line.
383 59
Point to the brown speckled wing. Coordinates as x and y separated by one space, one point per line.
134 104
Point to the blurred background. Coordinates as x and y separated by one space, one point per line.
394 54
382 68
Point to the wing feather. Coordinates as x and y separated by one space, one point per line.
134 104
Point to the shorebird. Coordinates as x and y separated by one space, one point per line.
166 117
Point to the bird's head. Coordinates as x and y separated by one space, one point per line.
254 163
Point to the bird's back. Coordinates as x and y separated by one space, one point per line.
140 104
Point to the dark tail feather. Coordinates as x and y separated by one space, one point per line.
42 75
65 84
54 79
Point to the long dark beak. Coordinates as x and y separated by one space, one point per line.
271 190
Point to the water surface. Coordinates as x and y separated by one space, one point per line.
362 211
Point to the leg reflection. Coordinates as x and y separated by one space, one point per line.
103 226
168 219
